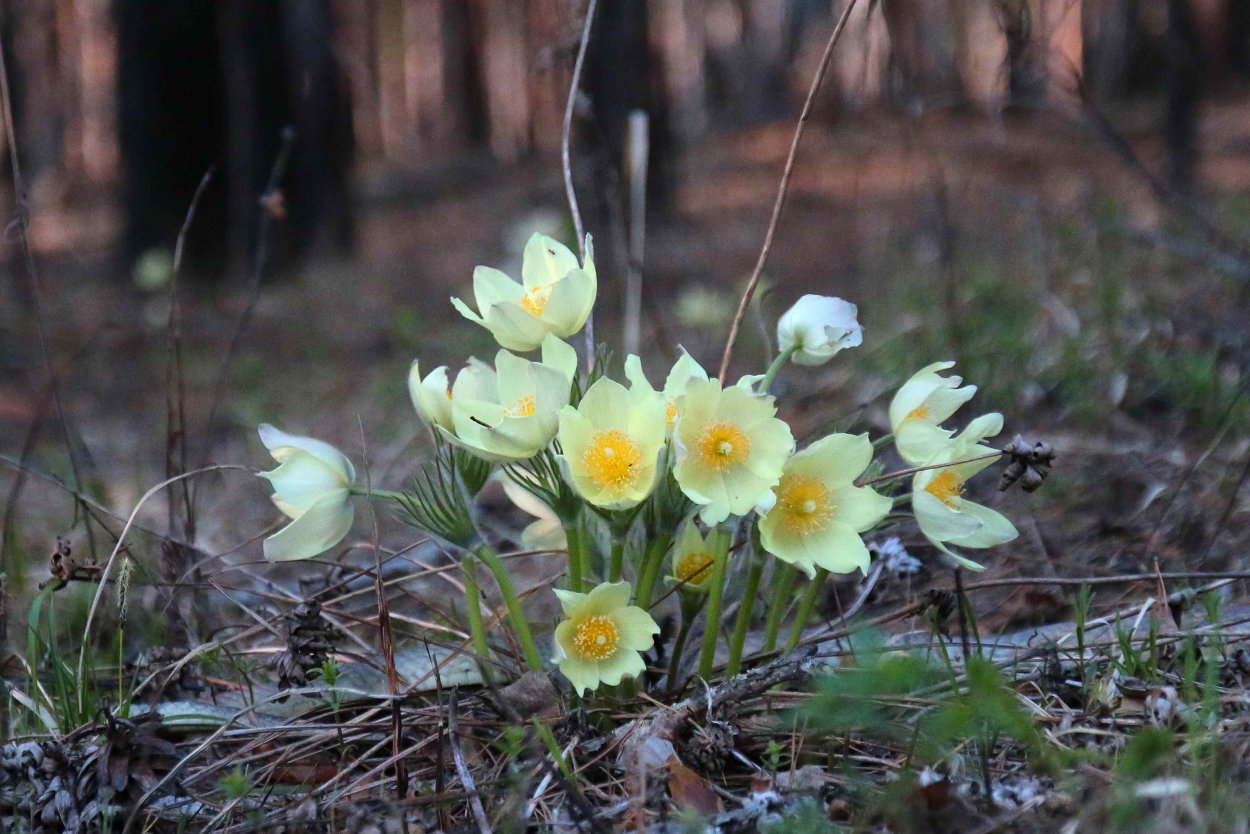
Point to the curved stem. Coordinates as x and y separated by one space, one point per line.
716 592
473 606
376 493
743 623
806 606
783 583
773 369
652 562
691 602
513 603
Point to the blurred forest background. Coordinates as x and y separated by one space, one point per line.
1055 192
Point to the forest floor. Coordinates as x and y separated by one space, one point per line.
1105 688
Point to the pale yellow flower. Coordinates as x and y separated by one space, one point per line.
511 412
545 532
685 369
431 396
312 487
730 449
920 407
818 513
555 295
692 559
817 327
611 443
944 515
603 637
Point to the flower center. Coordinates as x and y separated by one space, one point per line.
523 407
693 567
670 414
535 299
946 487
597 638
920 412
612 460
722 445
805 504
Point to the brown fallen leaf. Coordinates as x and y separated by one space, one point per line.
689 790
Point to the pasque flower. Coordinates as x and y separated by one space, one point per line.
685 369
602 637
511 411
947 518
611 443
555 295
730 448
819 513
920 407
817 327
692 559
312 486
431 396
545 532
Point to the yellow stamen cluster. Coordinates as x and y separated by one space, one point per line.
805 505
920 412
612 460
535 299
523 407
597 638
670 414
722 445
693 567
946 487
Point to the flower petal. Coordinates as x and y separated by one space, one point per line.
282 445
321 527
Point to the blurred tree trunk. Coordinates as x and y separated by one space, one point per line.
214 82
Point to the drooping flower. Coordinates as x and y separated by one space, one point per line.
602 639
817 327
920 407
730 448
692 559
555 295
511 412
311 487
947 518
611 443
685 369
545 532
431 396
819 513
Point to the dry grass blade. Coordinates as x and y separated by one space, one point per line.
566 163
782 189
462 768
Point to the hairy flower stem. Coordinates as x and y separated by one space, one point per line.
652 561
577 558
616 559
743 623
513 603
716 592
774 368
783 583
806 605
691 603
473 605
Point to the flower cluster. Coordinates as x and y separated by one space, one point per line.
666 475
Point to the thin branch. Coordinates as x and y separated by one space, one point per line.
462 769
782 189
566 164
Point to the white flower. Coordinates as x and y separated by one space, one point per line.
555 295
684 370
311 486
431 396
603 637
817 327
545 532
920 407
944 515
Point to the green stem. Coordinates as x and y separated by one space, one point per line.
376 493
652 562
783 583
806 606
743 623
716 592
881 441
771 373
473 604
574 537
691 602
616 560
513 603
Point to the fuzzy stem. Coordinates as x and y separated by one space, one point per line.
616 559
691 602
576 558
513 603
376 493
774 368
783 583
743 623
652 562
806 605
716 592
473 604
